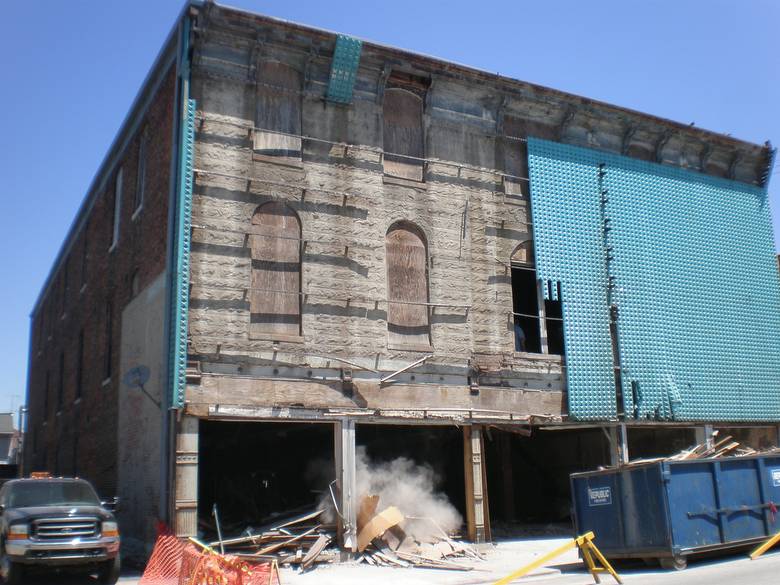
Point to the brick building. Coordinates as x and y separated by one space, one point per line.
301 244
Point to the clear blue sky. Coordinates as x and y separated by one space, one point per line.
71 69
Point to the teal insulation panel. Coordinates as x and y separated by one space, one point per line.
181 272
695 281
343 70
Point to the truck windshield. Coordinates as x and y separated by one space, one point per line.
51 493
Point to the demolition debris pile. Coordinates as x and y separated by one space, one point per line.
401 522
712 449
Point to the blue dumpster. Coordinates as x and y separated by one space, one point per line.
671 509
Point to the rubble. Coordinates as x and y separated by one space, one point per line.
725 447
304 540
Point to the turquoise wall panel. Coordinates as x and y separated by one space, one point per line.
343 69
695 281
181 270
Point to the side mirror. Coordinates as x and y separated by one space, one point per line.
111 505
2 508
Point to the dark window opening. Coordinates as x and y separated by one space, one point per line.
75 462
46 395
135 284
140 183
527 317
80 365
65 286
109 325
84 256
50 315
525 306
116 216
61 386
553 311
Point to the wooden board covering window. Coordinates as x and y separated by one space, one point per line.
515 157
276 266
408 324
278 110
403 134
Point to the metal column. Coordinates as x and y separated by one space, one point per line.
344 441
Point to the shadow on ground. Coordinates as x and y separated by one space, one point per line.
70 578
640 567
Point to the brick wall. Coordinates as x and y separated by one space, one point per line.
79 436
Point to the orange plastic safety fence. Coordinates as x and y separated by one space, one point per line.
174 563
208 568
164 566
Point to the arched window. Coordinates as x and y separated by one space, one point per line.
408 322
403 134
538 327
278 113
275 300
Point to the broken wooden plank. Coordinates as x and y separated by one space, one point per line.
377 526
391 559
298 519
284 543
419 561
315 550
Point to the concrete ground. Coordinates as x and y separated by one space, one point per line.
506 557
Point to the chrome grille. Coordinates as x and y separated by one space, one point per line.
65 528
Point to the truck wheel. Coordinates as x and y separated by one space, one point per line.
12 572
108 571
676 563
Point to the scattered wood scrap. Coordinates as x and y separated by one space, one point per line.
383 542
378 525
712 449
298 539
305 539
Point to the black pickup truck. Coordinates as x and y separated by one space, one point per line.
56 522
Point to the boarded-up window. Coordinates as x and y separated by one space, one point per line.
515 158
408 323
403 134
275 301
278 123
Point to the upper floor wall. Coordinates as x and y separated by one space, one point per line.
301 205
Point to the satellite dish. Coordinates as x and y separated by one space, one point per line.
136 377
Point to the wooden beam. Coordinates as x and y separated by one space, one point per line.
477 520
